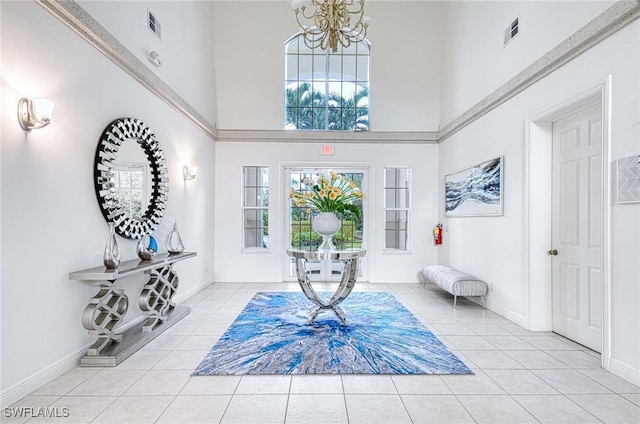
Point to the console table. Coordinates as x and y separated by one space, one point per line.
350 260
107 308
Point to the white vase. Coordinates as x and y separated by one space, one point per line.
326 224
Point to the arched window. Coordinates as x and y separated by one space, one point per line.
325 90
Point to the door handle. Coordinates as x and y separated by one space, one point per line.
552 252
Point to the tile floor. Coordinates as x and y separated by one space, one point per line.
520 377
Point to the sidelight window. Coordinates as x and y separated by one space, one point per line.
396 208
255 207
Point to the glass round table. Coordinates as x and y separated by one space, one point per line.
350 261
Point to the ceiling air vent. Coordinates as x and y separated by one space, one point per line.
154 25
511 31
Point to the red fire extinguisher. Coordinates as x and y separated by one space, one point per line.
437 234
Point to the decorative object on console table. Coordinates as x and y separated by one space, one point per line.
147 247
108 307
173 241
111 256
327 224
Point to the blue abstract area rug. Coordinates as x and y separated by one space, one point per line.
271 336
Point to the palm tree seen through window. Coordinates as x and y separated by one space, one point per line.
327 91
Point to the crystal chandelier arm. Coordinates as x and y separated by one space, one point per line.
345 42
362 21
299 12
343 19
359 30
313 39
307 43
302 9
360 10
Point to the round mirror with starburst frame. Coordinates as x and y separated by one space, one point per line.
108 188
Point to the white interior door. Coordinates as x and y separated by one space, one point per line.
576 227
299 233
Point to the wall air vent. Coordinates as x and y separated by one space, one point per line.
512 30
154 25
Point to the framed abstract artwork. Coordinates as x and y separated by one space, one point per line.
628 179
475 191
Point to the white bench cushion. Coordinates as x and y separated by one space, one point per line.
455 282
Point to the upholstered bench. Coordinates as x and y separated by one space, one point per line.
455 282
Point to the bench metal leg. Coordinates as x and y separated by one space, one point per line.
455 300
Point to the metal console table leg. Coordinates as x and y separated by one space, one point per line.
156 297
103 313
350 260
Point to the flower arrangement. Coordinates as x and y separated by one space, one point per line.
336 194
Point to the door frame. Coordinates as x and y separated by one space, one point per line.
538 209
367 169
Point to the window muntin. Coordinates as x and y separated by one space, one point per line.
302 236
255 207
396 208
326 91
130 185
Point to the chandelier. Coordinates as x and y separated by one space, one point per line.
331 22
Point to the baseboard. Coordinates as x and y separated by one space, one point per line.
45 376
179 298
624 371
39 379
521 320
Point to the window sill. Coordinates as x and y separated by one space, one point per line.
396 252
256 251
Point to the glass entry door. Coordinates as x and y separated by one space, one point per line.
300 234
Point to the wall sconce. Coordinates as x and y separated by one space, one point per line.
189 172
36 113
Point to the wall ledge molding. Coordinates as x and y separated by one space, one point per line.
602 26
76 18
285 136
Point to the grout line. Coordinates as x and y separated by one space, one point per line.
405 297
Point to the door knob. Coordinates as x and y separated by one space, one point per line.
552 252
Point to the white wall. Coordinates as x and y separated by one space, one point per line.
493 248
233 265
51 223
405 72
187 56
474 61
